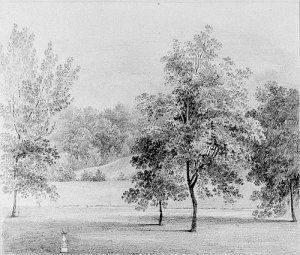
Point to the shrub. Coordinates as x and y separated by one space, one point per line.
99 176
62 174
87 176
121 177
90 177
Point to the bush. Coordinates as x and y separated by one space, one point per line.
121 177
99 176
62 174
90 177
87 176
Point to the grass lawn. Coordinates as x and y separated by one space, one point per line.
109 194
123 230
99 221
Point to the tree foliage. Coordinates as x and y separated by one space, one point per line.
88 137
99 176
156 181
276 159
34 92
204 117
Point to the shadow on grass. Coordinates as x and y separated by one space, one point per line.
202 221
212 220
237 220
147 224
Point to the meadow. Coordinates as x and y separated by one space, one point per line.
98 221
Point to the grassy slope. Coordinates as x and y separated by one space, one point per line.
109 193
113 169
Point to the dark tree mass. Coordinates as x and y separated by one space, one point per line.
156 182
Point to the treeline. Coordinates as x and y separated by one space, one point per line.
88 137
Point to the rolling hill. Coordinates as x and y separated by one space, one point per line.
109 192
112 170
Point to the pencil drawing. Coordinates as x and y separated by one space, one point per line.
149 128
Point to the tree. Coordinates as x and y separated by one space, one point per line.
34 93
125 119
74 136
99 176
87 176
276 159
204 117
92 138
156 182
61 173
108 141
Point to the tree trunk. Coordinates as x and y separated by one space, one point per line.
14 210
194 219
194 201
160 214
294 219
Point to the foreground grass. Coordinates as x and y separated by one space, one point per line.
123 230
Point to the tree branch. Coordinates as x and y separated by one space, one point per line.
13 114
194 179
36 105
188 172
215 152
196 175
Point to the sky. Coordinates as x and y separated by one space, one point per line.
119 45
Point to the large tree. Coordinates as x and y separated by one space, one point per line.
34 92
276 159
205 117
156 181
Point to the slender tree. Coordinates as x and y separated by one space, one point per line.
34 92
276 159
205 117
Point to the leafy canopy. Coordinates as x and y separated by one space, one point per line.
276 159
34 92
155 182
204 116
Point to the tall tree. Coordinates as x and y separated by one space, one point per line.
276 159
34 92
156 182
205 117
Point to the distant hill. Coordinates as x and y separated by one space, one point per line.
112 170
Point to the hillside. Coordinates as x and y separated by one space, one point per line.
109 192
112 170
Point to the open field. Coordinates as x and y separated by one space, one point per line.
123 230
98 221
109 193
